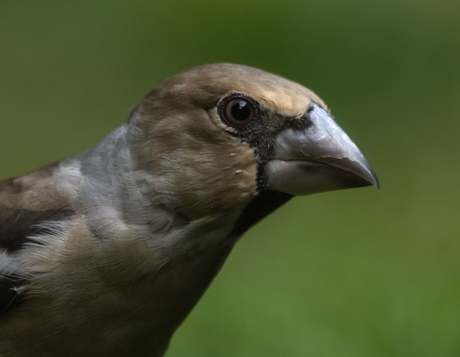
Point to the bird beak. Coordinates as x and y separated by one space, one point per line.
317 157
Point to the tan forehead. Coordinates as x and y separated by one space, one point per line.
271 91
285 97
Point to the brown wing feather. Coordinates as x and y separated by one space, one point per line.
25 202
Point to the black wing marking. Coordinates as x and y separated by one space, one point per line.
17 225
10 292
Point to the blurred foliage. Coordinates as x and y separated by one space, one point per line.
352 273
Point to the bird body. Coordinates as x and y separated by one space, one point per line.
106 253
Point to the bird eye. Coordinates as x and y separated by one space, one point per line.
238 112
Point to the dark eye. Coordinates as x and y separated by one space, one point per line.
238 112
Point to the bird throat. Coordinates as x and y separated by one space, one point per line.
261 206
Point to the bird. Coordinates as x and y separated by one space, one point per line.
106 252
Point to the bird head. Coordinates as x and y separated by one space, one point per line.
236 138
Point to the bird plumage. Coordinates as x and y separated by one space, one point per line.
105 253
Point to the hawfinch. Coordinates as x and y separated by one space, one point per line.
105 253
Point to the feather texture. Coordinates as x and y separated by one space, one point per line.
106 253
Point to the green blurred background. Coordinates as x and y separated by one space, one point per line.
352 273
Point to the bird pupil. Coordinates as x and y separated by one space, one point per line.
241 110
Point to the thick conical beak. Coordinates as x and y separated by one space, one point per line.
316 157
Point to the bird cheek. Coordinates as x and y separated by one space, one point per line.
226 182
